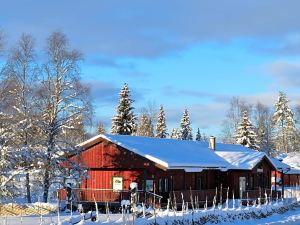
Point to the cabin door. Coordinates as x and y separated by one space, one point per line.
242 186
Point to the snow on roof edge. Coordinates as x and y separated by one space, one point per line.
246 166
151 158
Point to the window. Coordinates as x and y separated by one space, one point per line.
250 182
160 185
149 185
163 185
166 189
261 180
198 183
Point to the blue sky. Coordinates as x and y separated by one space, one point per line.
182 54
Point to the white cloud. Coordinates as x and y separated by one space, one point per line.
284 74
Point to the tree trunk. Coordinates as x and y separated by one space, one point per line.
46 181
47 173
28 188
46 185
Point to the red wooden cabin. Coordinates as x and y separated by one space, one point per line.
161 166
169 168
251 174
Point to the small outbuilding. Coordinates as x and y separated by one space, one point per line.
251 174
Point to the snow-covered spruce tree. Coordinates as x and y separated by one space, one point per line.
63 101
198 135
100 128
284 123
185 128
245 134
21 72
161 127
150 127
175 134
124 122
145 126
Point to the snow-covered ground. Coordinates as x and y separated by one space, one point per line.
288 218
276 213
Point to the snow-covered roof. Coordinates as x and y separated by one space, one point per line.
293 171
241 157
280 165
242 160
292 159
169 153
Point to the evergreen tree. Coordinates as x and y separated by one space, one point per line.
198 135
150 128
161 127
124 122
175 134
145 127
283 119
101 128
245 134
185 129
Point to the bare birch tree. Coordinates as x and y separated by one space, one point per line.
21 72
64 101
262 120
230 124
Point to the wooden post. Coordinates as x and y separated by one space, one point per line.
275 180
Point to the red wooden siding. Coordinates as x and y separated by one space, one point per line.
102 179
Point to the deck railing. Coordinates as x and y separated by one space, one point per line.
260 193
201 196
108 195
